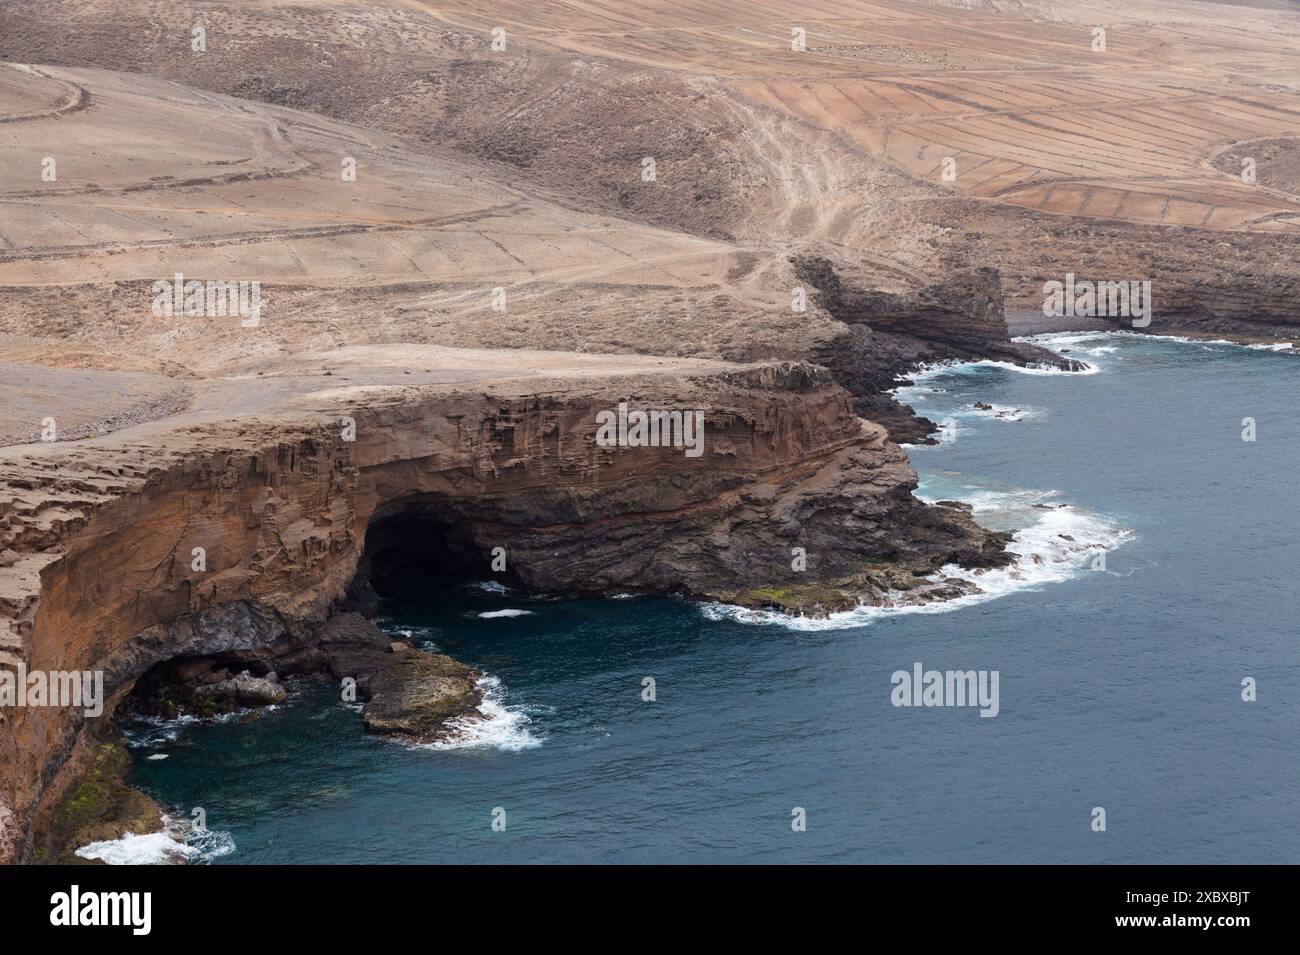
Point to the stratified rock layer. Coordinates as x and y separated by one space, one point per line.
245 534
887 335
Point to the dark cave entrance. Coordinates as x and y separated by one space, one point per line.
422 545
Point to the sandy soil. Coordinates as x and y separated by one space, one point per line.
520 171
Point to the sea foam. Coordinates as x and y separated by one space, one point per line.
1050 543
497 726
175 843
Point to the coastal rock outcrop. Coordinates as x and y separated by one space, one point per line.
887 335
246 690
407 692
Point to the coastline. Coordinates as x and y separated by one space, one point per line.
1032 500
1029 325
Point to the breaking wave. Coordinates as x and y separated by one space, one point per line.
499 726
1051 542
1057 340
921 376
174 844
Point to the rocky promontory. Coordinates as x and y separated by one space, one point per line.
887 335
230 545
405 691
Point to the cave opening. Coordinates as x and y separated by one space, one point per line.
419 546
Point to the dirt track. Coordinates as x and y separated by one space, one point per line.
519 170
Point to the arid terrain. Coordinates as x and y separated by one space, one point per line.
475 224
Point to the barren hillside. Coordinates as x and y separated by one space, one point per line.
906 141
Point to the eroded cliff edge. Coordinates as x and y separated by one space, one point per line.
97 538
881 336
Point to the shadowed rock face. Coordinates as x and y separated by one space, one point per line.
888 335
102 572
786 464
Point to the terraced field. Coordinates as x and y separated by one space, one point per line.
906 140
1027 110
251 180
1129 148
258 193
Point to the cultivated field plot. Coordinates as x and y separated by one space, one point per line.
258 192
1027 110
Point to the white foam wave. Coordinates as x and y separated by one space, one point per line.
147 732
1055 341
493 614
1037 369
153 848
490 586
144 732
1019 506
920 387
211 844
497 726
175 843
1059 546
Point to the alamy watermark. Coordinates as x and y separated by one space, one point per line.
651 429
130 909
213 298
922 687
1084 299
76 689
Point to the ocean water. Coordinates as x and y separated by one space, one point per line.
1119 688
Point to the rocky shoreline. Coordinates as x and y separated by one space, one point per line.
887 336
294 520
100 807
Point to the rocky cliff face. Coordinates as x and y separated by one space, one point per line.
888 335
101 540
1248 303
1203 280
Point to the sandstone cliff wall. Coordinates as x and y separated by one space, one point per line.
98 538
